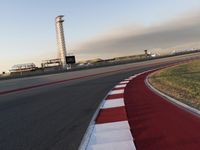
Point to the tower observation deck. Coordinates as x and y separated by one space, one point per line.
61 40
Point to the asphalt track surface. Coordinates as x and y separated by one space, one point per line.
54 117
157 123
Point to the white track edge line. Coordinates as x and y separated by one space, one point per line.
86 138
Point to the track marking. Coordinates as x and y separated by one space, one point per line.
124 82
111 136
111 97
116 92
111 126
111 115
120 86
113 103
125 145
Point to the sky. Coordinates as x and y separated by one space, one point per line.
95 28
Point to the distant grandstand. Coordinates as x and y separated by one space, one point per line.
51 63
23 68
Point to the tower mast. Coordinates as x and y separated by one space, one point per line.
61 40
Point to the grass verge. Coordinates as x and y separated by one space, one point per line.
181 82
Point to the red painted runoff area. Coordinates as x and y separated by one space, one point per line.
157 124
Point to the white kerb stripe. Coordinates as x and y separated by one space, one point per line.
131 77
128 79
125 145
112 136
123 82
116 92
113 103
106 127
120 86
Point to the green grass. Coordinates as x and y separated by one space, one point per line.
181 82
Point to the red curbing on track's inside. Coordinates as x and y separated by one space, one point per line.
157 124
134 117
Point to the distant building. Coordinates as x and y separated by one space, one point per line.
23 68
51 63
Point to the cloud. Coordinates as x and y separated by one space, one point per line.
179 32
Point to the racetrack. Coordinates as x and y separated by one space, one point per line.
56 116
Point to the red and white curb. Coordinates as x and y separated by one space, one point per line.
110 129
